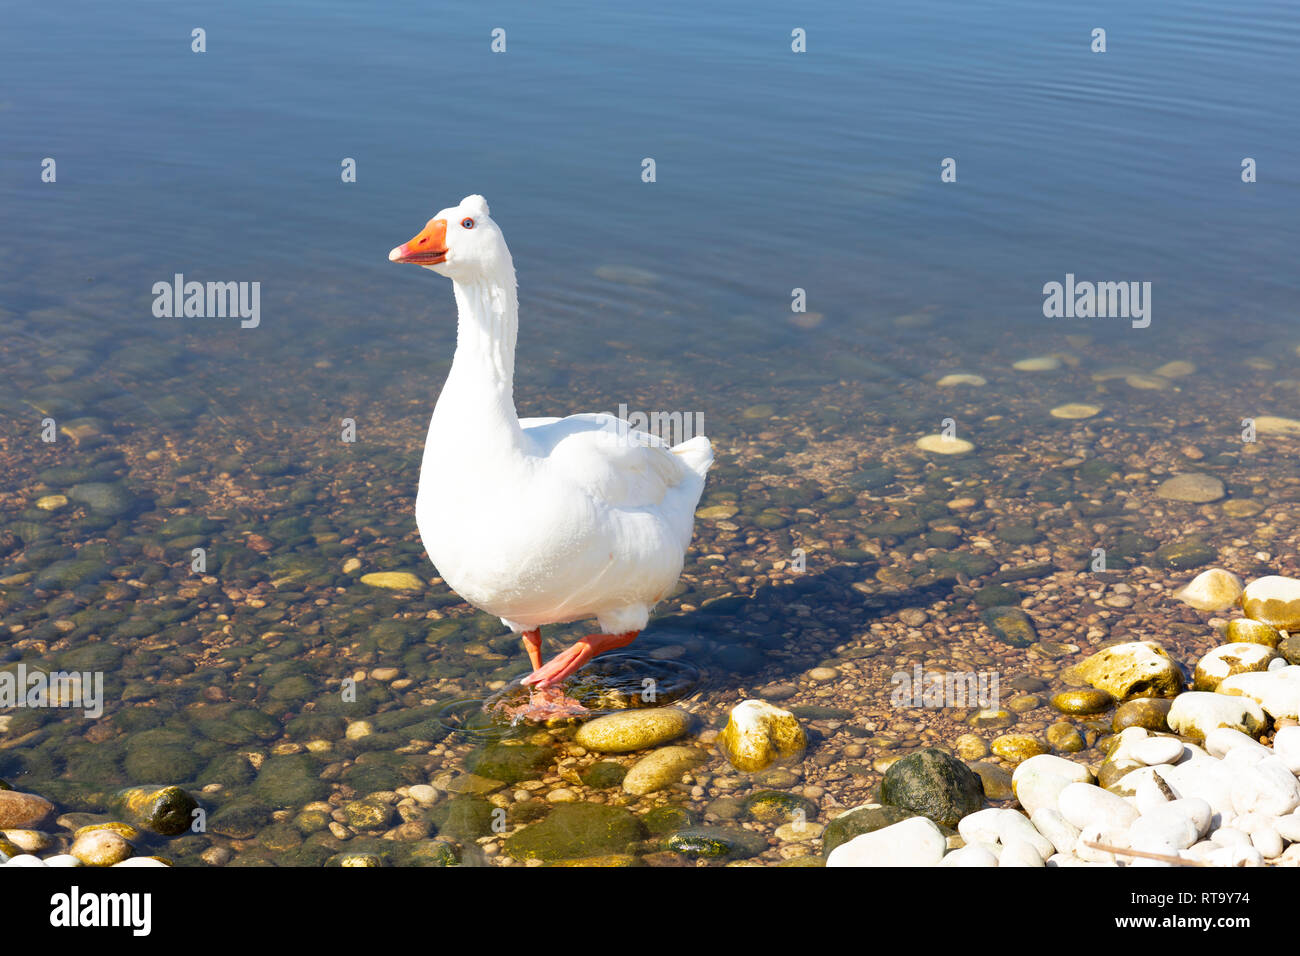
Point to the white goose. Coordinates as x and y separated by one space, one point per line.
540 520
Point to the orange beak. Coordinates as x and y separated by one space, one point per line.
426 249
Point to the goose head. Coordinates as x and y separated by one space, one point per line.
461 243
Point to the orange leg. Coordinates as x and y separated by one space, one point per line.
571 659
533 645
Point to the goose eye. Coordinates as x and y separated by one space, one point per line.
467 223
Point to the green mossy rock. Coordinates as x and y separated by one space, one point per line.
933 784
577 830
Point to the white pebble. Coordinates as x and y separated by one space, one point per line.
1156 750
1063 834
1267 842
980 826
912 842
969 856
1288 827
1165 825
1019 853
1267 787
1223 739
24 859
1013 825
62 859
1096 833
1235 855
1230 836
1084 804
1286 745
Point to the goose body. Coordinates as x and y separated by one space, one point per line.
541 520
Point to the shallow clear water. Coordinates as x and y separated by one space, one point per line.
775 171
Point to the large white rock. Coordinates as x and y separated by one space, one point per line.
1167 825
1223 739
1212 590
1093 835
970 856
1236 855
1228 659
1267 841
1277 691
1085 805
1267 787
1274 600
1196 713
1286 745
981 826
1063 834
1014 825
915 841
1288 827
1038 781
1208 779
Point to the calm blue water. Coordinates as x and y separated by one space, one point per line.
775 170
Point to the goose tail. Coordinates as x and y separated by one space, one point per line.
696 453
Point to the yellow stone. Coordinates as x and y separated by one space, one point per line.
52 502
1175 369
717 512
1040 363
944 445
961 378
1073 410
393 580
1274 425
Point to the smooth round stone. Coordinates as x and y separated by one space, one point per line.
1062 834
1149 713
1242 630
1274 600
52 502
1156 750
1288 827
1242 508
981 826
22 811
1212 590
1015 748
1267 841
1039 363
991 719
24 859
976 856
821 674
944 445
996 781
1020 853
636 729
660 769
1146 382
799 831
1023 703
1208 780
100 848
62 860
913 842
1166 826
138 861
960 378
1083 702
1286 745
1223 740
717 512
1038 781
1268 787
29 841
393 580
1065 737
971 747
1075 410
1084 805
1195 487
1276 425
1228 659
1196 713
1176 369
1276 690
